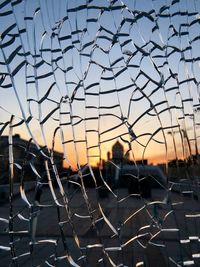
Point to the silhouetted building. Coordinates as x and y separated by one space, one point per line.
28 159
138 177
117 153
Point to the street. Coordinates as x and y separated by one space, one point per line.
86 230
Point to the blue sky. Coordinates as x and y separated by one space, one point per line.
84 41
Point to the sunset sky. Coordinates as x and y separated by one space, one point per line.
71 56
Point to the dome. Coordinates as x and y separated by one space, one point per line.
117 151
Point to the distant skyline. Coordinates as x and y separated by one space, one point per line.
154 159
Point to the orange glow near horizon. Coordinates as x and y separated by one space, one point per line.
155 153
152 158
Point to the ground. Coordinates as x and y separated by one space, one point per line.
117 230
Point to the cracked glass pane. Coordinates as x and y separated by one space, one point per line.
99 133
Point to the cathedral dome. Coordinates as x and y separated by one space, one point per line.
117 151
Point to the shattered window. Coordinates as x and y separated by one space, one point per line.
99 133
